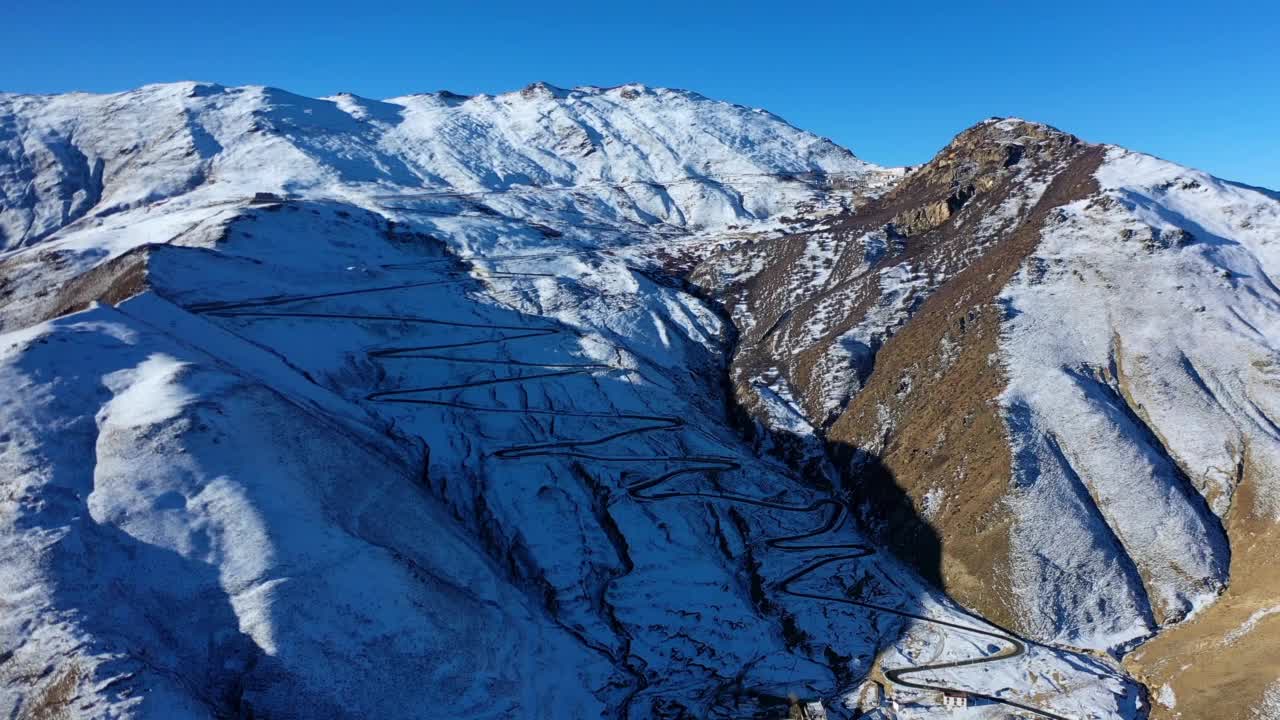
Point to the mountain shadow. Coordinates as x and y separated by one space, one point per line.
887 512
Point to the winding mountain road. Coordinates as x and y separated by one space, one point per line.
646 490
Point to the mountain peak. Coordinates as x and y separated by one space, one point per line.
544 90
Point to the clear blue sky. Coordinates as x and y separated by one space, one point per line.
1196 82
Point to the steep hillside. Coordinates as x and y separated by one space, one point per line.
1058 358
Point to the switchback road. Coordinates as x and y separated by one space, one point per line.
648 490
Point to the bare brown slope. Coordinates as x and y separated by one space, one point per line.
936 381
921 402
793 313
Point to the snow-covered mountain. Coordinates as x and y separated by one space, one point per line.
398 408
1065 355
631 154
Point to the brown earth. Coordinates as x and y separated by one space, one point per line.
112 282
947 432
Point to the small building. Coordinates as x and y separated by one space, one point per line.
265 198
952 700
813 711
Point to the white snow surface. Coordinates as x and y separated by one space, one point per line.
176 529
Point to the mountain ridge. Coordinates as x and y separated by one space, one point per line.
517 358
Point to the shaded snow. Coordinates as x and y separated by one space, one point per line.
188 527
782 411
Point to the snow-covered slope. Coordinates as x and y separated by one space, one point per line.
1143 361
437 433
1144 338
181 538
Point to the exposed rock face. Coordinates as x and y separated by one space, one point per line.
802 301
1010 337
972 164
